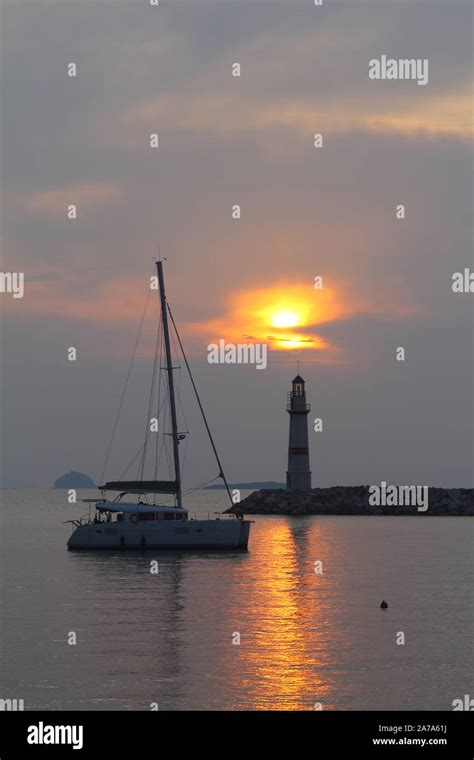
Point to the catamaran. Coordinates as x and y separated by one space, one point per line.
124 523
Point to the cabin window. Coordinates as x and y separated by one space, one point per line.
120 517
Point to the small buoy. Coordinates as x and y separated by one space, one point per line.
384 605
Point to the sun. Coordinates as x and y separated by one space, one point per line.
284 318
284 315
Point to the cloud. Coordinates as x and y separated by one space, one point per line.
291 315
285 314
86 197
433 118
111 302
45 277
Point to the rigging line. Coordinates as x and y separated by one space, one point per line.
150 404
181 408
125 387
135 457
158 405
160 437
196 488
178 393
203 485
167 445
132 462
165 405
161 447
184 455
158 408
221 471
186 426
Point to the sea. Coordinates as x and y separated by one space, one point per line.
293 624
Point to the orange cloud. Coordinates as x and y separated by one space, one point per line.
285 315
435 116
86 197
110 302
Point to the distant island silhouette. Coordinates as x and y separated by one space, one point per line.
74 479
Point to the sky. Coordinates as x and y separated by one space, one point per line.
306 212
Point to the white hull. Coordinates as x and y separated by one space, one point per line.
163 534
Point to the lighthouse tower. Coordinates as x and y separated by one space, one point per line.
298 475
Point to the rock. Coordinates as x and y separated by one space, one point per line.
74 480
352 500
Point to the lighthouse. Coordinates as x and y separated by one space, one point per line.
298 475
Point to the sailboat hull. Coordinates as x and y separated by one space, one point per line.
189 534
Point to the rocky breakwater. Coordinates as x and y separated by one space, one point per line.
359 500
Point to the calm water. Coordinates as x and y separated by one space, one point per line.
305 638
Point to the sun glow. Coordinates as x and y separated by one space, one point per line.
284 315
284 318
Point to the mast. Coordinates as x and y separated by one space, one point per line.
169 369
